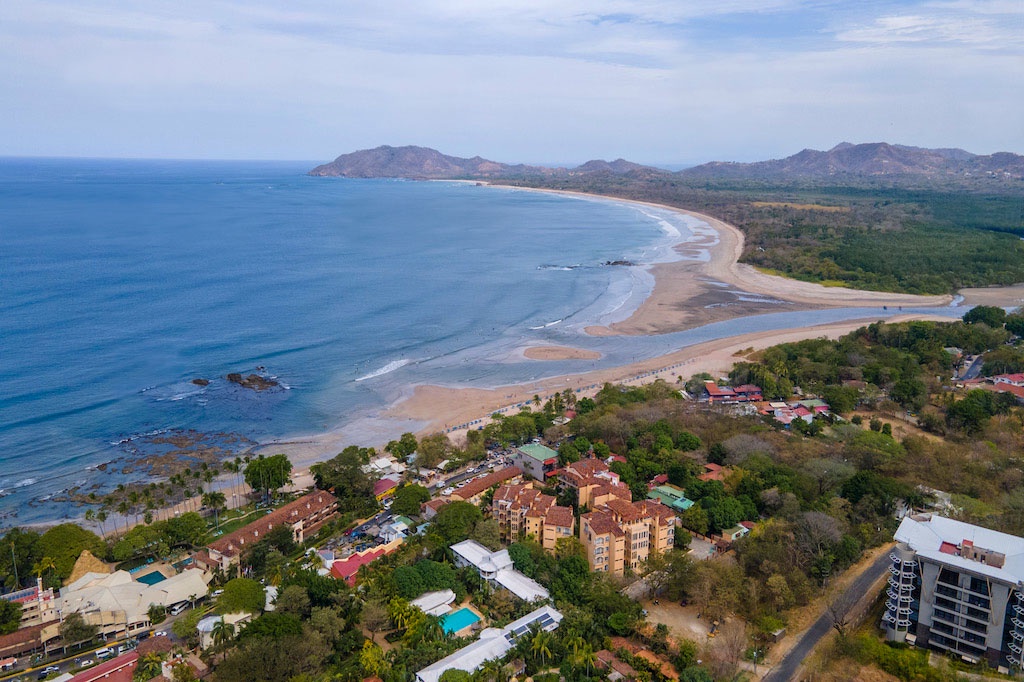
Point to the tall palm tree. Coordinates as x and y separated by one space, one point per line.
43 565
540 645
216 501
222 632
586 656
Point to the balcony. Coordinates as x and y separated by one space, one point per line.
1015 648
1017 635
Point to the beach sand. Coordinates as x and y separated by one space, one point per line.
687 294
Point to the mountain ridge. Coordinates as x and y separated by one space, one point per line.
873 159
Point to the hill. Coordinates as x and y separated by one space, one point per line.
426 163
873 159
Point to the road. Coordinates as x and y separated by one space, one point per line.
786 669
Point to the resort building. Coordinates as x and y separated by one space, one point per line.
591 478
536 460
522 511
957 588
620 535
434 603
497 569
475 489
118 605
305 516
493 644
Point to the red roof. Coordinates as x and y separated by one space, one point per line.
801 411
345 569
477 486
715 390
118 669
384 485
948 548
301 509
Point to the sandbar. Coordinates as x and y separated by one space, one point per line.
559 353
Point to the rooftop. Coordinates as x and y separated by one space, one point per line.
996 555
538 452
293 512
479 485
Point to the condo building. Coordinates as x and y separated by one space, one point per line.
957 588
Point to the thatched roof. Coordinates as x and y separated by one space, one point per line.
87 563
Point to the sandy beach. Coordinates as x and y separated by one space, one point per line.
687 293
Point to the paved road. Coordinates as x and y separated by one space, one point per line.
786 669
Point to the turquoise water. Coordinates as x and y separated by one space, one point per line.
152 578
457 620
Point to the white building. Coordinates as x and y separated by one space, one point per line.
497 569
958 589
434 603
493 644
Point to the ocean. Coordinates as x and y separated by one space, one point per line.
122 282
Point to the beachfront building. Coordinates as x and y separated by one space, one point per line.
522 511
118 605
535 459
305 516
492 645
591 478
497 569
619 535
958 589
727 395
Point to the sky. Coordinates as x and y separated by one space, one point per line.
533 81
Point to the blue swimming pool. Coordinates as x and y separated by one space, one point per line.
456 620
152 578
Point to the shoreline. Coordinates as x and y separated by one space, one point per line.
679 300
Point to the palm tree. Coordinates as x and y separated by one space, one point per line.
149 665
489 671
43 565
586 656
101 516
540 645
216 501
222 632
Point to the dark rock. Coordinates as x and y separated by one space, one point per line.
201 382
254 381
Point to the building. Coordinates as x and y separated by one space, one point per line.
958 589
118 605
497 569
620 535
434 603
305 516
590 477
715 394
347 568
535 459
118 669
493 644
37 604
385 487
714 472
670 496
522 510
475 489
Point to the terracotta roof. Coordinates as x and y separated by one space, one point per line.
627 512
301 509
714 389
656 509
560 516
346 569
435 504
160 645
22 640
602 522
479 485
118 669
383 485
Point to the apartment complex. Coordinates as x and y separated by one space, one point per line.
957 588
620 535
593 482
474 489
522 510
535 459
304 516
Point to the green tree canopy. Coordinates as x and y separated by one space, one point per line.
993 316
344 474
268 474
10 616
408 499
453 523
242 595
64 543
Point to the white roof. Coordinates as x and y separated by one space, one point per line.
493 643
518 584
434 603
472 551
925 534
117 591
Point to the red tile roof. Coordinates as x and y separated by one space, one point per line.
301 509
118 669
346 569
477 486
560 516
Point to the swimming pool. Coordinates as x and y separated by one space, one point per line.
457 620
152 578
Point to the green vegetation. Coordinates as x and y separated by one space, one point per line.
268 474
886 238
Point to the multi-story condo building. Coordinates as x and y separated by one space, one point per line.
522 510
591 478
620 535
957 588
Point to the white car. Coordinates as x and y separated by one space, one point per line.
161 633
448 491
